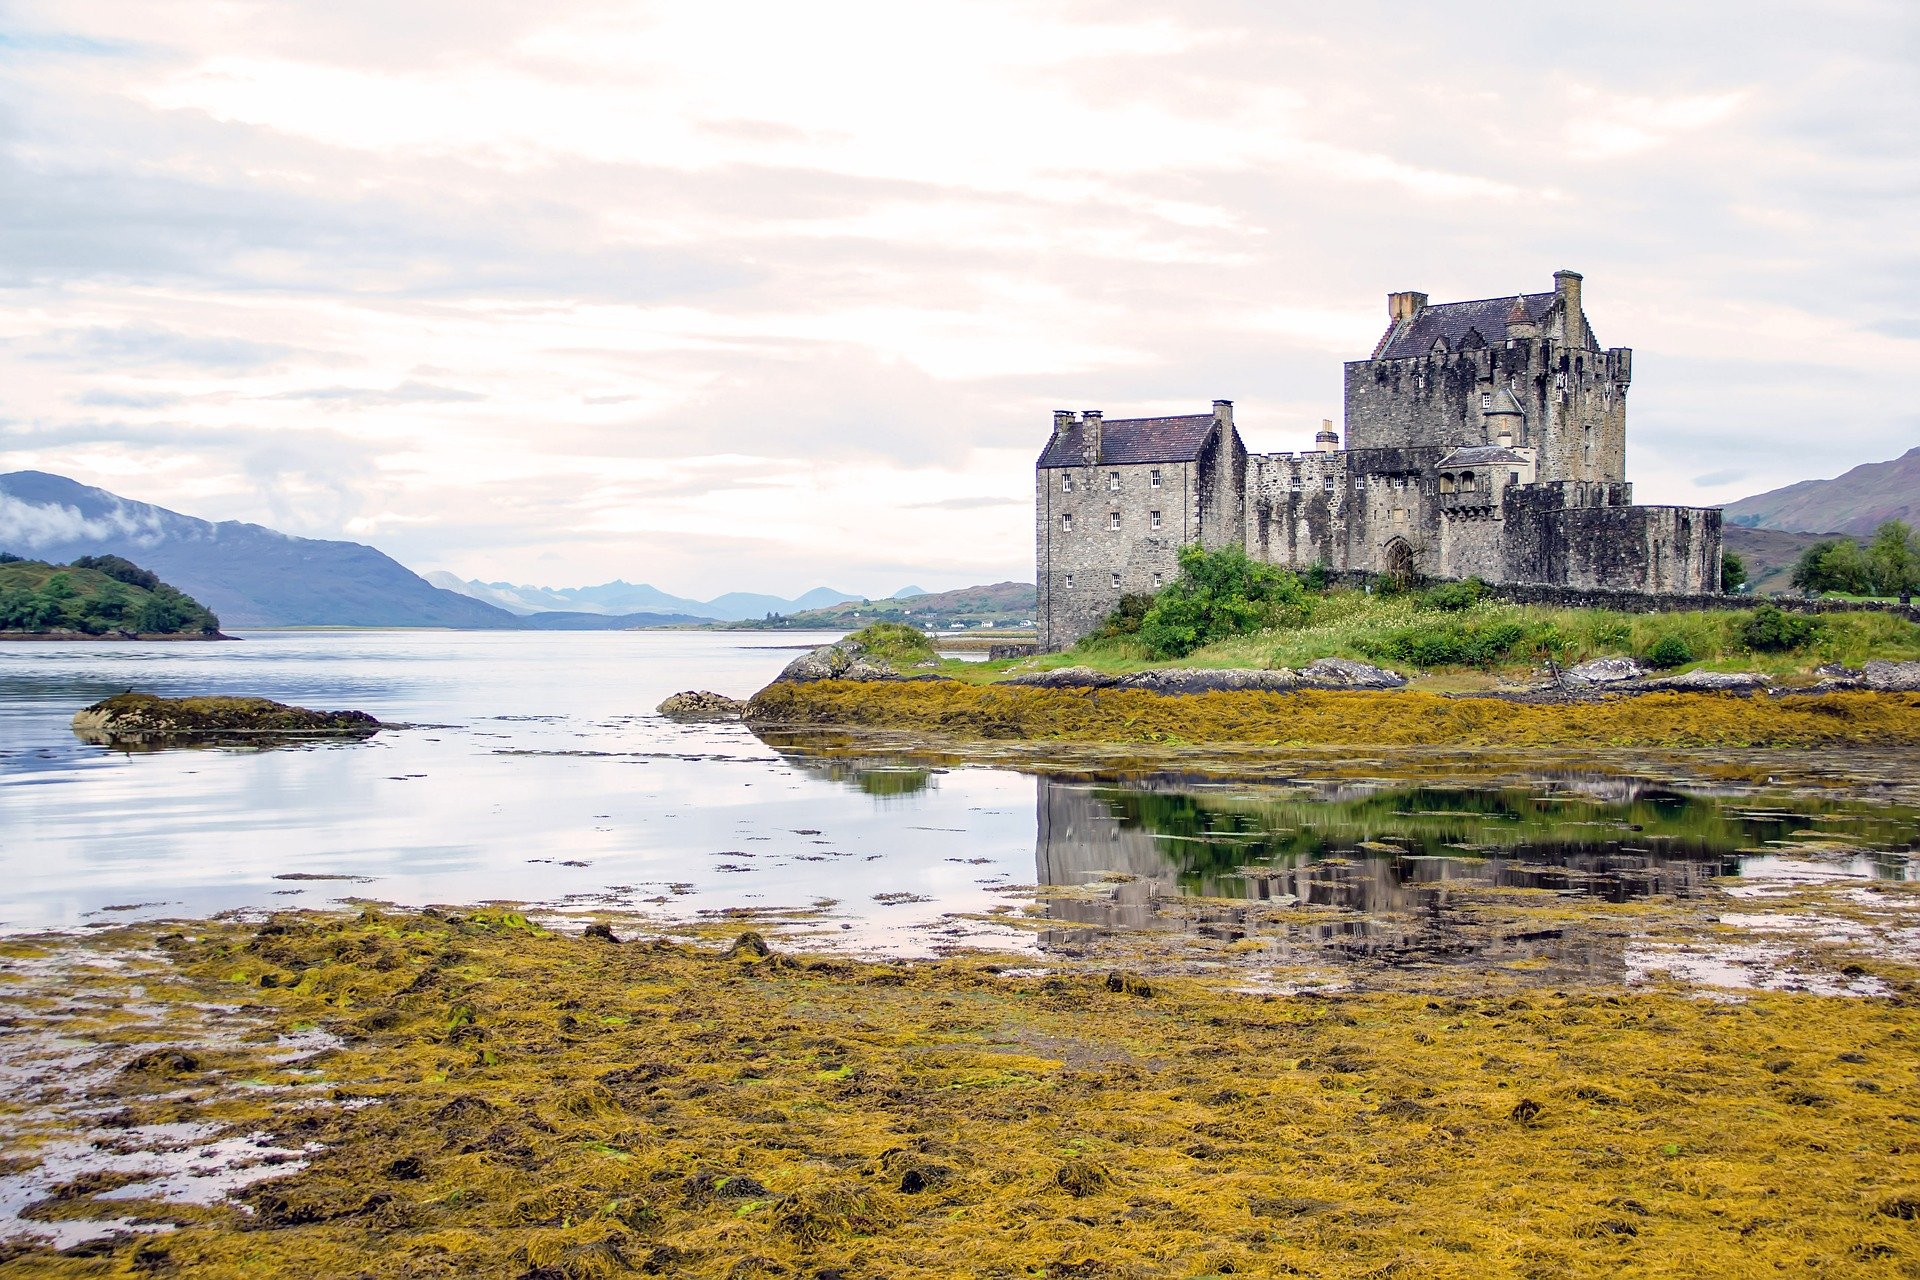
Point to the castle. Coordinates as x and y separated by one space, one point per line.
1484 439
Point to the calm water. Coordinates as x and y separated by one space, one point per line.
538 772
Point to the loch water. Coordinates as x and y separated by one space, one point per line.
535 771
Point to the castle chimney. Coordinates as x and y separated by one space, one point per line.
1328 440
1223 413
1405 306
1091 419
1062 419
1567 285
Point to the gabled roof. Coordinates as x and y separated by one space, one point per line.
1130 440
1453 322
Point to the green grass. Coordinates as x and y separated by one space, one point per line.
1350 624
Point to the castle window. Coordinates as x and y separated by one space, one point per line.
1153 478
1329 483
1513 477
1116 582
1486 399
1066 482
1069 582
1156 581
1153 519
1399 515
1446 482
1066 522
1466 482
1113 519
1113 481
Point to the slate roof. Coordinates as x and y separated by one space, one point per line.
1130 440
1480 455
1454 321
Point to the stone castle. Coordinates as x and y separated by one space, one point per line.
1484 439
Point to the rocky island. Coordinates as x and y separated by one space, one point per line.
146 720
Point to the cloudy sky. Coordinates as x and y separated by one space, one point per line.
767 295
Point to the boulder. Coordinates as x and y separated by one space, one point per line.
1066 678
1891 677
143 719
1701 682
701 704
1602 671
1176 680
842 660
1345 673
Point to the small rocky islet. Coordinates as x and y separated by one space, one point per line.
147 720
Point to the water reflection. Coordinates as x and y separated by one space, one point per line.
1374 871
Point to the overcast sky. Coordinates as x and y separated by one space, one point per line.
765 296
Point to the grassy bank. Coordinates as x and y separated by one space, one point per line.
959 710
1426 633
537 1106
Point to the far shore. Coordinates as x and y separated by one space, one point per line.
115 637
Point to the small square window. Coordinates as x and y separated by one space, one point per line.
1153 478
1116 582
1486 399
1156 580
1113 520
1513 477
1113 481
1329 483
1066 522
1066 482
1153 519
1399 515
1069 582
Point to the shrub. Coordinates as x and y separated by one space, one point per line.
1126 617
894 643
1455 597
1459 644
1612 633
120 569
1834 564
1218 594
1319 576
1772 630
1668 652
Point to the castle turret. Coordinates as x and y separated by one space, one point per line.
1505 420
1327 440
1520 321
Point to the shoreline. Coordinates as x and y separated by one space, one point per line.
960 710
466 1093
71 637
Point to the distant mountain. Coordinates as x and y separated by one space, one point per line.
1003 604
905 592
620 597
1853 503
552 621
250 575
1769 555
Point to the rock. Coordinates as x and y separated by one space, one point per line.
1066 678
1702 682
700 704
1176 680
1345 673
1601 671
601 933
1891 677
142 719
842 660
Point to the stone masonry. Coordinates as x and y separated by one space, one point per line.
1485 439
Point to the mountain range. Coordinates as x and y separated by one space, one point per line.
618 597
1855 503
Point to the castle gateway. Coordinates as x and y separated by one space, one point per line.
1484 439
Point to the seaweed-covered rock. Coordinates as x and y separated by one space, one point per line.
1066 678
144 719
701 704
1177 680
842 660
1891 677
1327 673
1601 671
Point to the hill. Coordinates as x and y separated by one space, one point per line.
1770 555
620 597
1003 604
1853 503
96 596
250 575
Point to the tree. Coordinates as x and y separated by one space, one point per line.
1218 594
1834 564
1895 558
1733 573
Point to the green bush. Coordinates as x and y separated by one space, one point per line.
1455 597
1612 633
1668 652
1218 594
1733 572
894 643
1126 617
1772 630
1452 644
